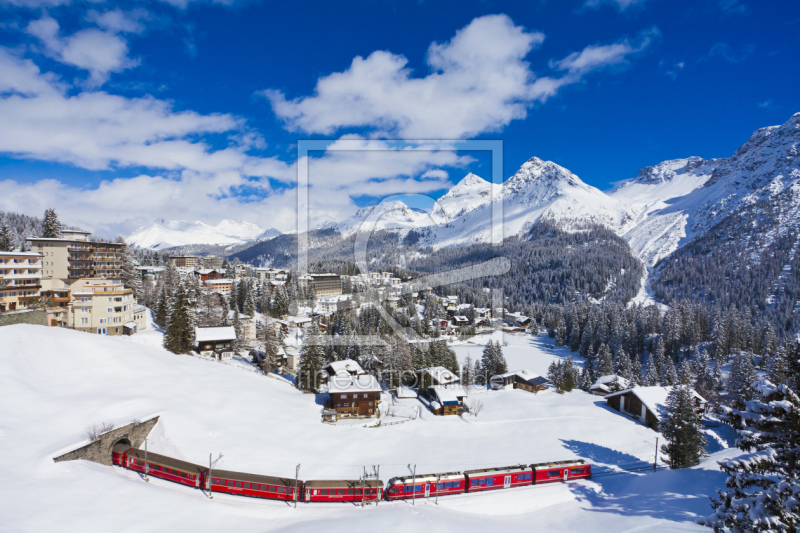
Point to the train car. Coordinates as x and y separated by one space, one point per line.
425 485
118 454
342 490
164 467
498 478
239 483
561 471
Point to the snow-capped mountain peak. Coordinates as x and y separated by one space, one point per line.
169 233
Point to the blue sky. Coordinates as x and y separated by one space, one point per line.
120 113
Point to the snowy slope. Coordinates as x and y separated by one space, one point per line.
168 233
678 200
387 215
55 382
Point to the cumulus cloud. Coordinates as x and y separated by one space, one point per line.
117 20
479 81
96 51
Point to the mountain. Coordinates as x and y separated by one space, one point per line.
384 216
163 234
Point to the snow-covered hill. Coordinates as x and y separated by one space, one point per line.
56 382
169 233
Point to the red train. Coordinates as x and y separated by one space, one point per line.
400 488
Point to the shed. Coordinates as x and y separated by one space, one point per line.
521 379
647 404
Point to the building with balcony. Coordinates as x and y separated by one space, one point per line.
104 307
324 284
74 257
186 261
20 279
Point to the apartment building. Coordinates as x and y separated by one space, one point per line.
104 307
324 284
186 261
74 256
213 262
20 279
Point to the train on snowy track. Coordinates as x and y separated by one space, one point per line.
399 488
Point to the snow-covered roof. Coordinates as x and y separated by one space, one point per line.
406 392
26 254
440 374
129 324
604 382
345 367
362 383
448 395
654 398
221 333
220 281
461 319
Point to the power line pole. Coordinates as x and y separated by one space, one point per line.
145 460
296 493
655 461
413 484
377 485
210 467
363 486
438 478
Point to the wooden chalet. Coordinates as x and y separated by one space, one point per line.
607 384
446 400
521 379
646 404
352 396
216 341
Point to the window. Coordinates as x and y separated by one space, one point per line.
554 473
238 484
349 492
281 490
247 486
340 492
272 489
84 321
577 470
366 395
344 395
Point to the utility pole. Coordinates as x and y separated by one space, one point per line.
363 486
438 478
210 467
296 493
655 461
377 484
413 484
145 460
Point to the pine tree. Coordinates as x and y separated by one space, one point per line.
741 376
682 429
501 366
179 337
250 303
467 377
637 377
651 377
130 276
777 366
763 485
605 361
669 374
6 239
686 373
51 227
488 361
311 359
162 310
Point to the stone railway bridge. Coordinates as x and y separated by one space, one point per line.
99 451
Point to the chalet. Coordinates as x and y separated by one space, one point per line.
329 305
216 341
459 322
208 273
608 384
447 400
522 379
646 404
518 319
345 368
436 376
353 396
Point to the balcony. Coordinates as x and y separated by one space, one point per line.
87 249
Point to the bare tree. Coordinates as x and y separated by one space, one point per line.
475 407
95 431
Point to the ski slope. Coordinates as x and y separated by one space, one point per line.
56 382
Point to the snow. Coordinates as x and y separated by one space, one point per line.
168 233
222 333
55 382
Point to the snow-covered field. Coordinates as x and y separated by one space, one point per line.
55 382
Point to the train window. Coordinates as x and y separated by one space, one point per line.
349 492
323 492
272 489
577 470
554 473
247 486
490 482
340 492
281 490
238 484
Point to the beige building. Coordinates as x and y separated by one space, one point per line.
73 256
20 279
186 261
104 307
324 284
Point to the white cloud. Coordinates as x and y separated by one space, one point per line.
619 5
436 173
117 20
99 52
479 82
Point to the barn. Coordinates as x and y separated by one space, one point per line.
646 404
521 379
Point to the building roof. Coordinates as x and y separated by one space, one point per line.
345 368
26 254
527 377
441 375
448 395
604 383
654 398
361 383
221 333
